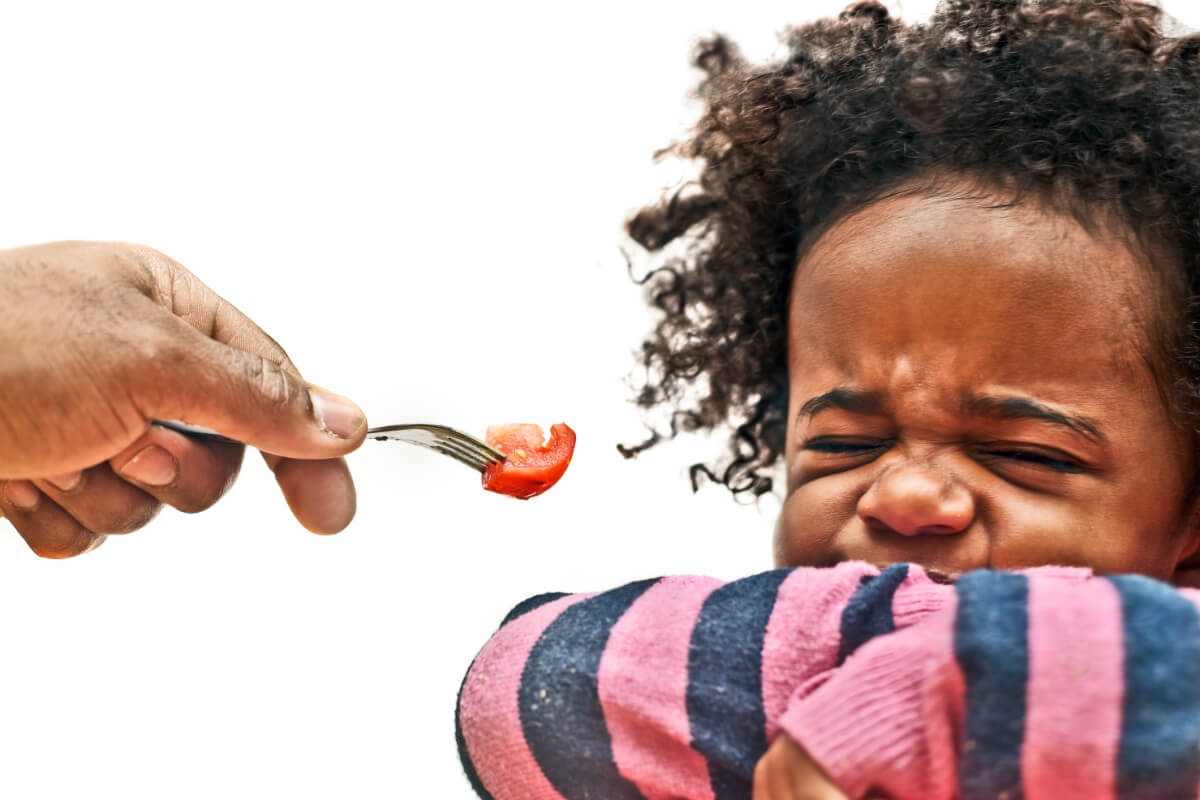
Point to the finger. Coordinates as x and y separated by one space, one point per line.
100 501
187 473
775 780
787 772
762 776
49 531
243 396
771 776
246 386
320 493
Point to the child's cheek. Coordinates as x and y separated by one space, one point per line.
806 531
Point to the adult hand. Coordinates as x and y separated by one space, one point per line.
97 340
786 772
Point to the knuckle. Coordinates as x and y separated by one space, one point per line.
193 505
201 500
269 381
145 349
208 482
156 270
154 345
154 359
65 542
112 508
285 361
134 515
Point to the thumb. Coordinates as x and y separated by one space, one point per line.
248 397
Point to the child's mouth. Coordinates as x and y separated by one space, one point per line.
937 576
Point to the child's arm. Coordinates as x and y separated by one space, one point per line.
1040 683
669 687
1027 685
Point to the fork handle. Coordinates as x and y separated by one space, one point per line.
195 431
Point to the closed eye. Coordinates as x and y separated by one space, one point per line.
843 446
1036 458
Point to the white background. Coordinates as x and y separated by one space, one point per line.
424 205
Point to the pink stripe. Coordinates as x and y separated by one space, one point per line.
1192 595
1075 574
490 719
947 708
1071 737
804 632
642 682
890 718
918 597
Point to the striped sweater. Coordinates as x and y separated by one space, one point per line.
1045 683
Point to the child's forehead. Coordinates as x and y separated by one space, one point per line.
961 209
973 243
957 286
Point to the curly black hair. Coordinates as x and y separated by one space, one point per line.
1083 104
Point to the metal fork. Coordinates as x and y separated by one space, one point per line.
462 448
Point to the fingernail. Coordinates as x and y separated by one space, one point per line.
22 494
153 466
336 414
65 483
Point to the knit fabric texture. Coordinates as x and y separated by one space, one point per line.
1041 684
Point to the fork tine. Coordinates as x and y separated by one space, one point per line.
484 451
452 447
462 448
438 446
473 464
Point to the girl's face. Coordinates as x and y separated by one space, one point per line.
968 388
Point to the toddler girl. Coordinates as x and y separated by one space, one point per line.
949 275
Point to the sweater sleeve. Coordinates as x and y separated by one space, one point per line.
1034 685
667 688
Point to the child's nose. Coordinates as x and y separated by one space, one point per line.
914 498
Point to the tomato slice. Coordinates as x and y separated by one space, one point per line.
532 465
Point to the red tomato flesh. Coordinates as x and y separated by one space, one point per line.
531 465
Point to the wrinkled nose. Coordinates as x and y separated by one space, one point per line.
915 499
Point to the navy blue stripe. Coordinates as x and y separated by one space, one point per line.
464 756
559 701
1159 755
724 693
992 647
869 612
525 606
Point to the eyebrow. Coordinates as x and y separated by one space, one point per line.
847 399
977 405
1024 408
